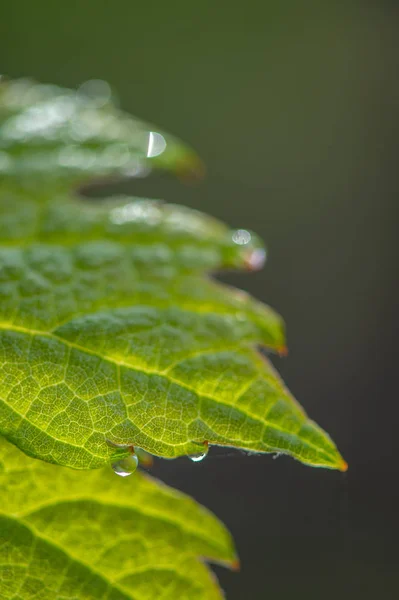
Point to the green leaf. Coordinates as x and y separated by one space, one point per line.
48 133
110 332
93 536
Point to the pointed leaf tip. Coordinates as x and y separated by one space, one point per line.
109 327
236 565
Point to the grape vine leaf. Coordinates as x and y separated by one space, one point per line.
67 534
111 334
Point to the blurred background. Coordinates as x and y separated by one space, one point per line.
294 107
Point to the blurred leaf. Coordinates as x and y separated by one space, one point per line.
52 133
91 536
110 334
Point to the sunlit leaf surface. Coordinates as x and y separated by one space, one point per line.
72 535
111 334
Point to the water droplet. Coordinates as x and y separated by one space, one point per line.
126 466
277 455
241 237
156 144
198 456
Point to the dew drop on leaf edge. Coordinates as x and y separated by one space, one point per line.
198 456
126 466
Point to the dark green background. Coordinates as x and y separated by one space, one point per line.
294 108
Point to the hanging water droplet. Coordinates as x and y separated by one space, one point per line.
126 466
198 456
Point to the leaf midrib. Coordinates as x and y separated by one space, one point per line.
265 423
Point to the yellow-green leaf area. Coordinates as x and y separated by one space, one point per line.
112 332
76 535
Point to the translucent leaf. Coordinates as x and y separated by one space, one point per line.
76 535
111 333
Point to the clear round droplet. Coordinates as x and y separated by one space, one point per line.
198 456
241 237
126 466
